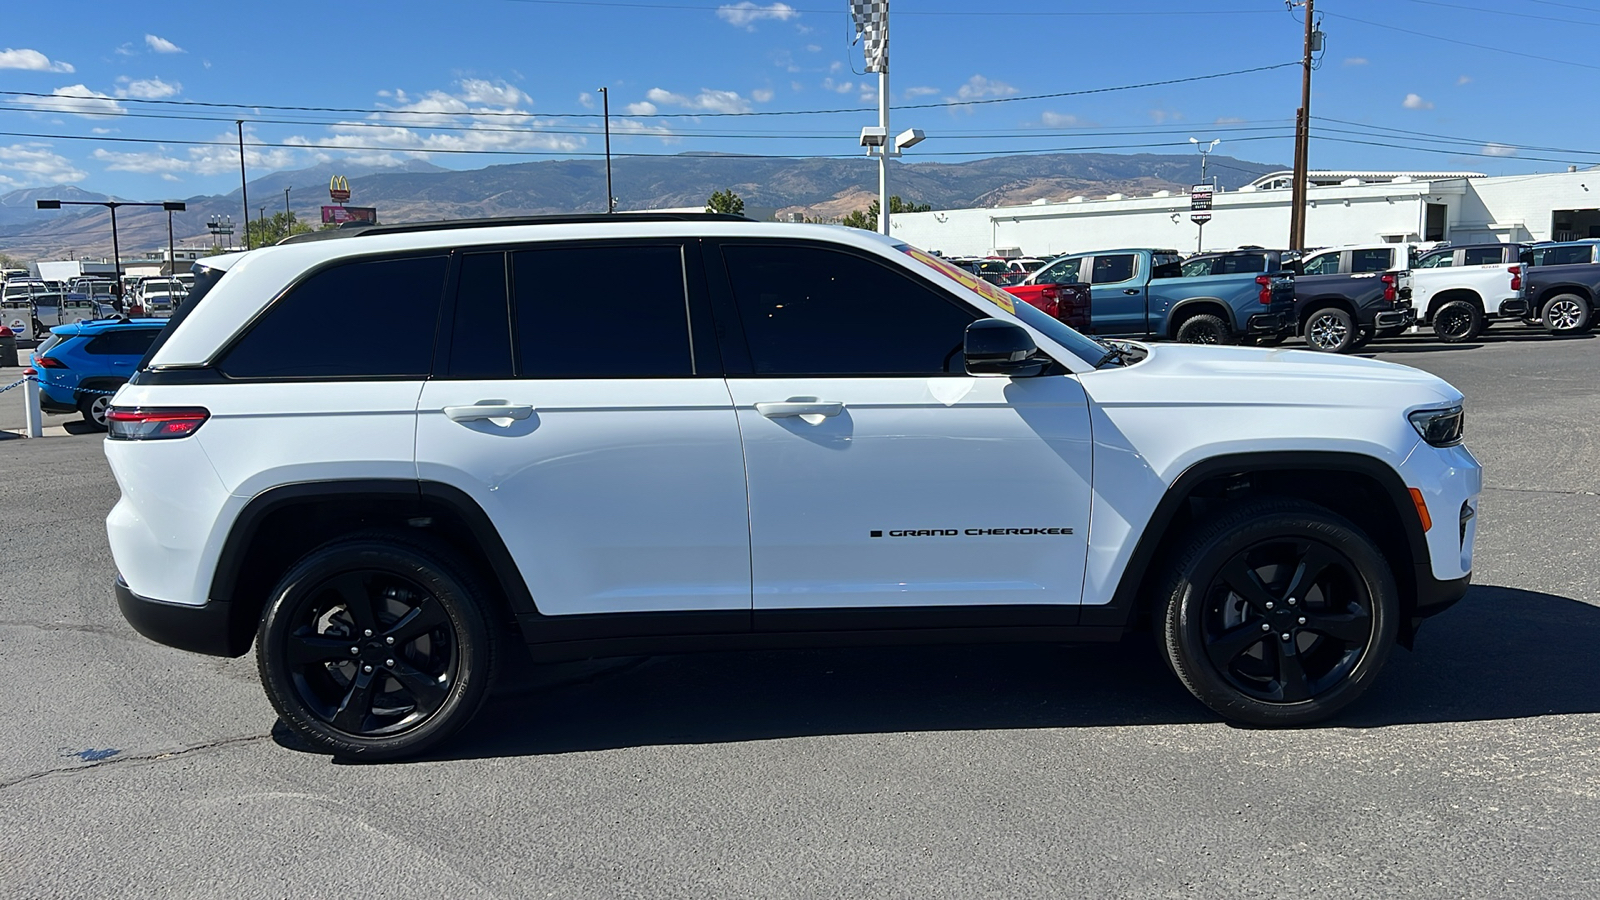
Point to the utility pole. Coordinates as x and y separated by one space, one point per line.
605 111
287 215
1302 130
172 252
883 122
244 186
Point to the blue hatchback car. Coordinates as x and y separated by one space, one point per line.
81 365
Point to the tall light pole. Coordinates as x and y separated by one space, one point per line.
871 19
172 251
605 112
1205 153
287 215
244 186
171 206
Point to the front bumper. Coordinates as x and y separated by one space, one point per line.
1395 318
215 628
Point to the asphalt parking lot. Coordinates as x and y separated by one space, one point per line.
1472 769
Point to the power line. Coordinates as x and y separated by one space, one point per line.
1453 139
1564 62
675 7
66 102
1501 12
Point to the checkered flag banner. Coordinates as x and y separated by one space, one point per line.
871 19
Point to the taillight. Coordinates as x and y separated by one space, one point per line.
49 362
1390 294
1051 298
140 424
1265 284
1516 277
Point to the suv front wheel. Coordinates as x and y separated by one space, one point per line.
376 647
1278 612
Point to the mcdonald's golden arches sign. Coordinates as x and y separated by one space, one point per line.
339 189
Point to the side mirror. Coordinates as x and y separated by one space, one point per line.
997 347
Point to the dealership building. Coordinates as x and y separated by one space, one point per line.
1342 208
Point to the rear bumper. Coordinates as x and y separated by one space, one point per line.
1269 323
214 628
1514 308
1395 318
51 405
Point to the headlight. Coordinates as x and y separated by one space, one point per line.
1440 427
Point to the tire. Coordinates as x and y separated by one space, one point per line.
1363 337
1566 314
1458 321
93 409
1267 569
1204 329
1330 330
388 698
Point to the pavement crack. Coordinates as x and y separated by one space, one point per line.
1515 490
108 630
157 756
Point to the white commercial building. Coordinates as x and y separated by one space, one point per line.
1343 208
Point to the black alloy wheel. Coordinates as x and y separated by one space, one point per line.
1280 614
373 648
1204 329
1458 321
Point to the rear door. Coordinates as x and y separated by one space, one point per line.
881 475
1117 291
594 429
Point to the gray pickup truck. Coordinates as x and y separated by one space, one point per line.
1345 296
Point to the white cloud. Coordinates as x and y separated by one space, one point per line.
147 88
642 108
31 164
1229 120
761 95
492 93
1465 79
745 13
586 100
838 87
1355 61
75 98
869 94
979 87
708 100
1061 120
913 93
1163 116
813 48
1499 150
1415 101
162 45
32 61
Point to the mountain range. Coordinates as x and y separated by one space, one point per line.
816 187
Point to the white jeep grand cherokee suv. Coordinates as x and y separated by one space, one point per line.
381 455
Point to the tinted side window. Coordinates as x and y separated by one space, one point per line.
480 341
816 311
366 319
1324 264
639 328
1243 264
1483 256
1113 269
1363 261
1199 268
1062 271
122 342
1562 256
1442 260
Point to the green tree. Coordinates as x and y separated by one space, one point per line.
725 202
266 232
868 218
7 261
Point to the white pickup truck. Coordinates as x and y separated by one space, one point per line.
1459 290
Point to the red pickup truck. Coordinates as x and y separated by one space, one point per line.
1067 302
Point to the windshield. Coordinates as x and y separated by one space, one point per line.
1085 348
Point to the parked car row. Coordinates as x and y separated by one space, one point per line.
1338 298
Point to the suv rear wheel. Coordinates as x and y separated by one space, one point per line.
93 409
376 647
1278 612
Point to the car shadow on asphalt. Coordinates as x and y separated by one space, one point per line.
1428 344
1499 654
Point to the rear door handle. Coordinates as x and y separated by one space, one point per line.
487 409
800 406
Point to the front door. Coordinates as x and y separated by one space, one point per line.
579 404
880 474
1117 288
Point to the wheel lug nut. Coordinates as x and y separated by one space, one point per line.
1302 620
1264 627
1293 601
1285 635
388 640
388 662
368 632
1269 604
369 668
355 651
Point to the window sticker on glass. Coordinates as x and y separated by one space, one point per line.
966 279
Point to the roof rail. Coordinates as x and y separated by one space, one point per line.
357 229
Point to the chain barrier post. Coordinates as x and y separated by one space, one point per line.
30 392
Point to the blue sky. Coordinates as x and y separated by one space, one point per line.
518 78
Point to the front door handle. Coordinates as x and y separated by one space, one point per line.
1130 291
806 407
487 409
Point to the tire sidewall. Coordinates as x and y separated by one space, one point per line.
454 593
1182 616
1203 325
1475 320
1342 318
1585 315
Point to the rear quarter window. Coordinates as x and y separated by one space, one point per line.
365 319
122 342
